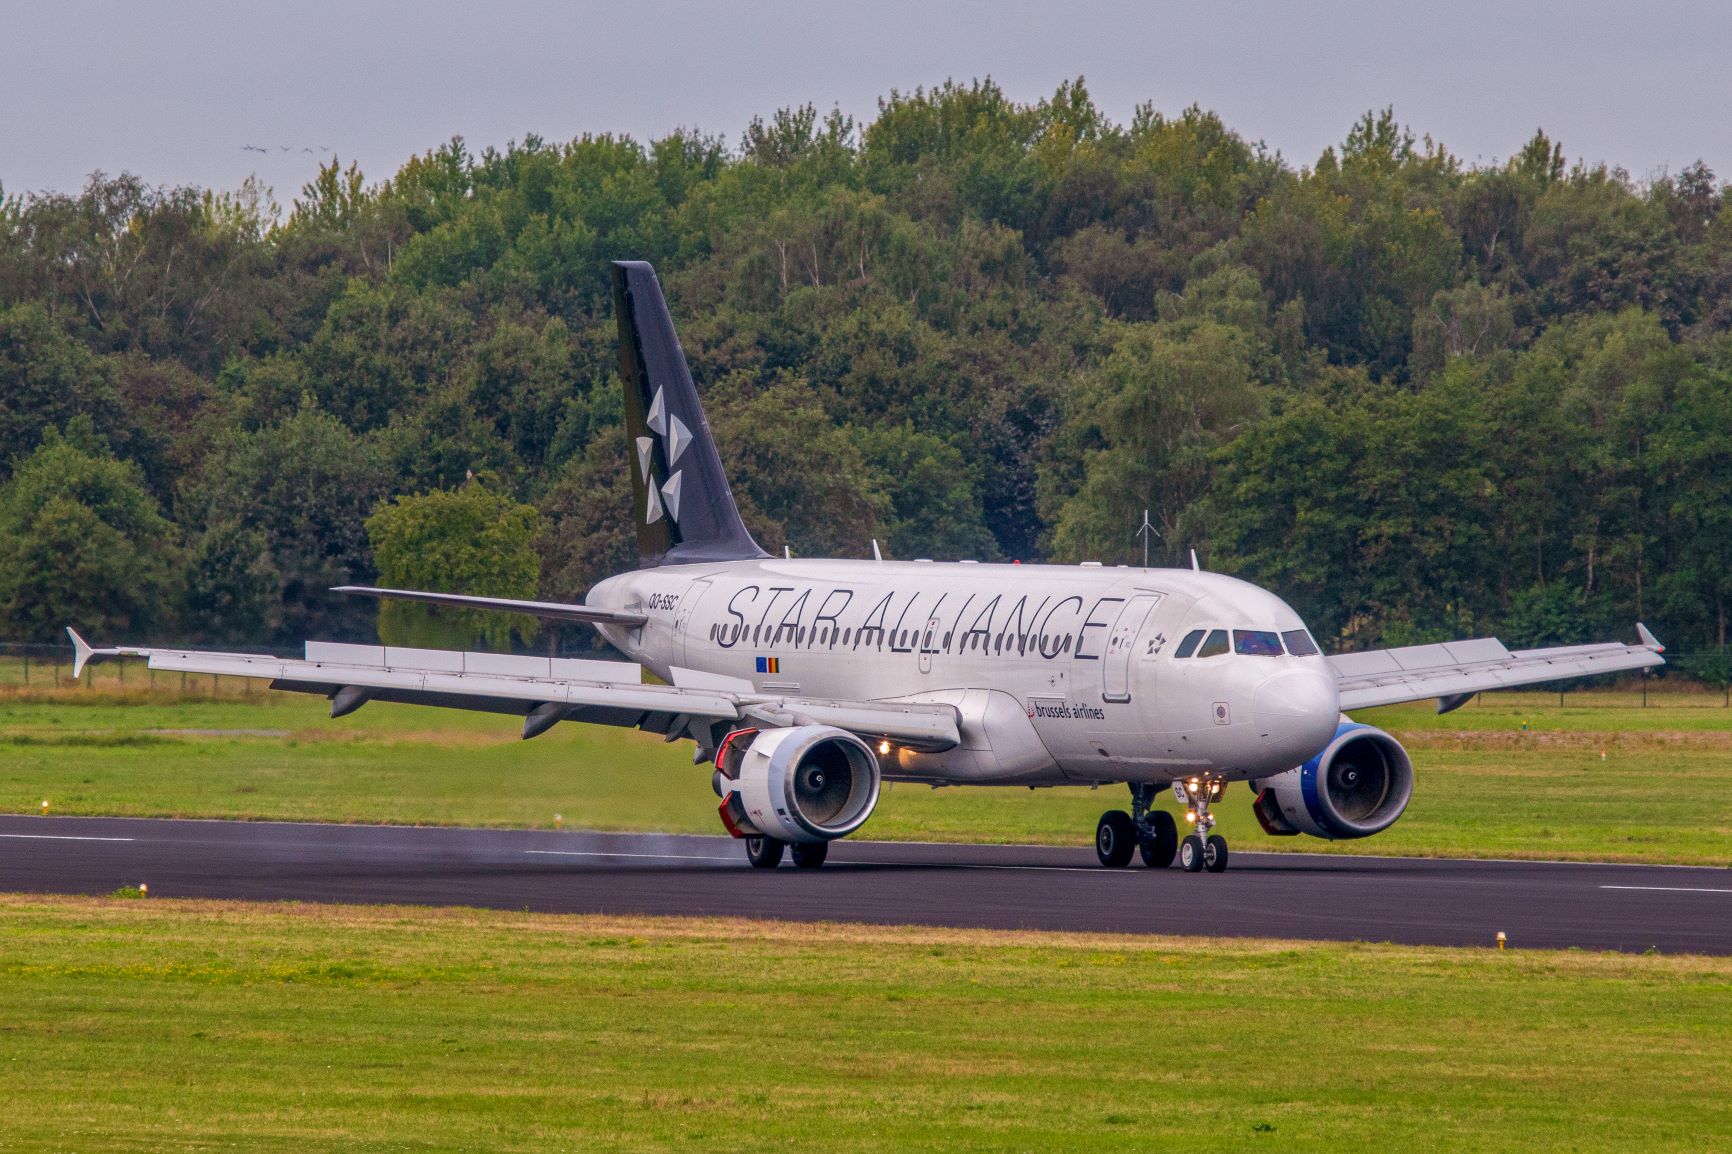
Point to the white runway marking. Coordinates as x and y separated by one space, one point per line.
905 865
611 853
1099 871
1671 889
63 837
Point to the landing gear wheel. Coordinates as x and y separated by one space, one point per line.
809 855
1115 838
1191 854
1215 854
1162 843
765 852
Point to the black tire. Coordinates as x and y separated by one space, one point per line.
1115 838
1215 854
765 852
1191 854
1162 845
809 855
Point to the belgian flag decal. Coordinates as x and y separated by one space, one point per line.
769 665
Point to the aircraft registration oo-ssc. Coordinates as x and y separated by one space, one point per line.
810 682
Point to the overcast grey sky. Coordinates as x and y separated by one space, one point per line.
172 91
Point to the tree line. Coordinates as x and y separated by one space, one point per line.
1417 397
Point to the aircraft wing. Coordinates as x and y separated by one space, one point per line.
1454 671
547 690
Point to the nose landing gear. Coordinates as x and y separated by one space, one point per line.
1202 850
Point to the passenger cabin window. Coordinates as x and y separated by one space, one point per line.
1189 645
1215 645
1256 643
1299 643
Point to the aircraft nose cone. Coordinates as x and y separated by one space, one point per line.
1299 707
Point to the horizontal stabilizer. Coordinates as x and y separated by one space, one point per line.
551 610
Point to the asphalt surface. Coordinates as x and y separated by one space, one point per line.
1412 900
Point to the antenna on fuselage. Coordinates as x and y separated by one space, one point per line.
1196 566
1144 531
876 555
787 552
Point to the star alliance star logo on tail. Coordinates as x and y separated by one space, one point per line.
674 431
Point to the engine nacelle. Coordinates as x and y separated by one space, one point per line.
1356 787
805 783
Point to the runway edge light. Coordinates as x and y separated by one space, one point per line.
1501 939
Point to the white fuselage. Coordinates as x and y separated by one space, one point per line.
1059 673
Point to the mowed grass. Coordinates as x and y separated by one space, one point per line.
1601 777
147 1025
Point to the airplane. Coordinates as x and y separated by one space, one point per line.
809 683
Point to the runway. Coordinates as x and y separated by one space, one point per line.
1674 909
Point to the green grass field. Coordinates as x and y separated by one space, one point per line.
1601 777
153 1025
147 1025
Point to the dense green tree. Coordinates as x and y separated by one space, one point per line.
231 586
786 455
46 378
1145 424
85 544
1691 455
467 540
934 509
588 526
1413 395
307 484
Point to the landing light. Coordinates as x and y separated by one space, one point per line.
883 747
1190 815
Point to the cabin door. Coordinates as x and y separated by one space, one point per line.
1121 647
684 642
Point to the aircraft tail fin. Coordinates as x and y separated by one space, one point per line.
685 511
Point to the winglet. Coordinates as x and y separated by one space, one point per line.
1648 639
83 654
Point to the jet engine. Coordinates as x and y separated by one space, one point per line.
1356 787
805 783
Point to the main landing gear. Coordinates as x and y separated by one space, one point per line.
766 852
1152 833
1155 835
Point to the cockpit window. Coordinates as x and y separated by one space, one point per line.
1215 645
1256 643
1189 645
1299 643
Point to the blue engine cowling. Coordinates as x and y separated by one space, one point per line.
1357 786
